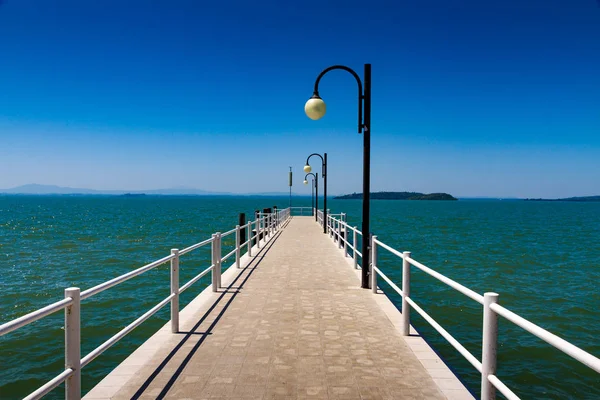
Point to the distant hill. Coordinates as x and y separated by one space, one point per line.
36 189
582 199
399 196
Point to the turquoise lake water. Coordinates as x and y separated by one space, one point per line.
542 258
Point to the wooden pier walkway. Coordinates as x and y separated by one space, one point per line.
292 323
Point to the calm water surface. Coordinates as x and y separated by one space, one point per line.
543 259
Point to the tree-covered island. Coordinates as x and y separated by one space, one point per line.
399 196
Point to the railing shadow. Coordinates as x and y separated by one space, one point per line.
229 290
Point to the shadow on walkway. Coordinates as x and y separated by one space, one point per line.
231 289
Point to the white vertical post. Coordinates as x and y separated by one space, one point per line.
340 234
355 246
249 239
237 246
333 224
215 263
332 229
213 272
258 230
345 240
489 346
219 256
175 291
267 227
73 344
405 293
373 264
342 230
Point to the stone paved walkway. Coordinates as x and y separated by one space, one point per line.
293 325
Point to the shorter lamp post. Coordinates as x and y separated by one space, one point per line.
307 169
315 190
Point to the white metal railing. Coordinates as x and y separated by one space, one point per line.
491 310
266 225
302 211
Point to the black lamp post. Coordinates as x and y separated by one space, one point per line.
315 109
307 169
315 189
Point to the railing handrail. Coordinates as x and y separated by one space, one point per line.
265 228
486 367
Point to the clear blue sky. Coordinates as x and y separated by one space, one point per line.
474 98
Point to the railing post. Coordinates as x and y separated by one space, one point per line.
405 293
73 344
354 255
335 231
489 346
237 246
175 291
258 231
373 264
334 226
219 256
214 262
332 229
267 227
345 240
250 239
340 245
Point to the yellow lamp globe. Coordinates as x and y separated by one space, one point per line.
315 108
305 182
307 168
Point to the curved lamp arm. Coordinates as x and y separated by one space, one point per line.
360 90
310 173
323 167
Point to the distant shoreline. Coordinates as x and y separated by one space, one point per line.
583 199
